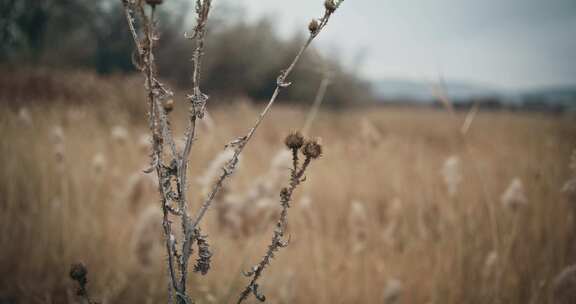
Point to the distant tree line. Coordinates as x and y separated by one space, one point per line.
243 57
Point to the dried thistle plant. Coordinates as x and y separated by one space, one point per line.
171 167
310 150
246 212
171 164
79 273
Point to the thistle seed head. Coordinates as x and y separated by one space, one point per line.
78 273
330 6
313 26
312 149
294 141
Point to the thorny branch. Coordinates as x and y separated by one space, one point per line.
315 27
311 150
172 173
198 103
172 183
145 63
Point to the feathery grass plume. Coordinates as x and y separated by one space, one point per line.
357 225
315 108
452 174
24 117
141 189
514 197
394 212
287 290
311 150
439 92
248 212
469 118
241 216
569 187
245 213
572 164
119 134
564 286
369 133
57 135
430 220
145 143
98 163
389 234
75 114
394 209
490 264
305 202
267 185
56 203
213 170
392 291
57 138
569 190
147 242
230 214
59 150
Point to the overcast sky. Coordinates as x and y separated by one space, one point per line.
504 43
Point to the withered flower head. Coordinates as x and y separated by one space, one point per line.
78 273
294 141
330 6
313 26
312 149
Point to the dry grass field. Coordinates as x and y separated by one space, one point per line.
401 208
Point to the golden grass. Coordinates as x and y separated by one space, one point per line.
436 245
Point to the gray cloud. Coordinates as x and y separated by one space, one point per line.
508 43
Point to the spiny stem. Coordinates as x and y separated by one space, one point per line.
280 83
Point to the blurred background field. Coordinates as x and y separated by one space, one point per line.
453 198
400 197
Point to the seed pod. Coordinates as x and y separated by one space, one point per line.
312 149
78 273
313 26
294 141
330 6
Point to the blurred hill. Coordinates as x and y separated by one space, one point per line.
243 58
420 91
464 94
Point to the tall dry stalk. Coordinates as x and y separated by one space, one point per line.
311 150
171 166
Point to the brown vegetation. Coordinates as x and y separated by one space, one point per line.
377 221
